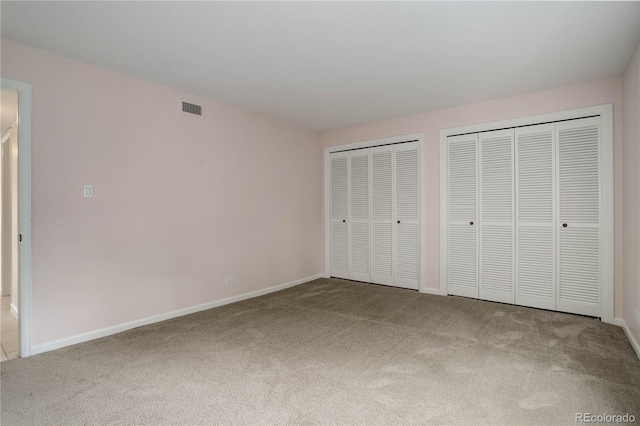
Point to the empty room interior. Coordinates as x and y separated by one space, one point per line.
320 213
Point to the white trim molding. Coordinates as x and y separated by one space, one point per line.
606 115
24 211
634 343
370 144
108 331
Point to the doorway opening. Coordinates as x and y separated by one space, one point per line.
16 128
9 252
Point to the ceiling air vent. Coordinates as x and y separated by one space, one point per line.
191 108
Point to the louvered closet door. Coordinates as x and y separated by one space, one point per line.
407 215
382 226
338 199
535 232
496 278
359 221
462 207
579 281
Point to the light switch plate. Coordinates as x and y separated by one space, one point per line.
88 191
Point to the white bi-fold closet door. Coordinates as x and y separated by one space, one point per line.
358 214
375 226
579 200
463 214
339 231
496 216
524 216
535 216
481 211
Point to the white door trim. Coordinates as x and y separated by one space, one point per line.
370 144
606 114
24 211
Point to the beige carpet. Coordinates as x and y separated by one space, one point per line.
335 352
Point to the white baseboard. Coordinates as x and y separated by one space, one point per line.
14 311
431 290
107 331
634 343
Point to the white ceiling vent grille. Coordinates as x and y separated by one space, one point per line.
191 108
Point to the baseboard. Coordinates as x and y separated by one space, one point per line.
108 331
634 343
431 290
14 311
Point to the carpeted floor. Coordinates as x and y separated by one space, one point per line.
337 352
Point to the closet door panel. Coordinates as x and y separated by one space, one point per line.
339 253
407 215
407 182
496 276
359 211
579 281
535 192
463 191
382 228
462 211
579 287
359 249
463 260
381 253
408 256
535 276
339 227
496 264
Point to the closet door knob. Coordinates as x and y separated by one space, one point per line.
343 220
564 225
398 221
470 223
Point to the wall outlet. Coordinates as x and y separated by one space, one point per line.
230 280
637 316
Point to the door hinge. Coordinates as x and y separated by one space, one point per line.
20 237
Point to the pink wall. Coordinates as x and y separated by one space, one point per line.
570 97
631 96
180 202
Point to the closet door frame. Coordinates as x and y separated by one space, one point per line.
414 137
606 202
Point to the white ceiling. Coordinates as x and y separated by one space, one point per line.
8 110
327 65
